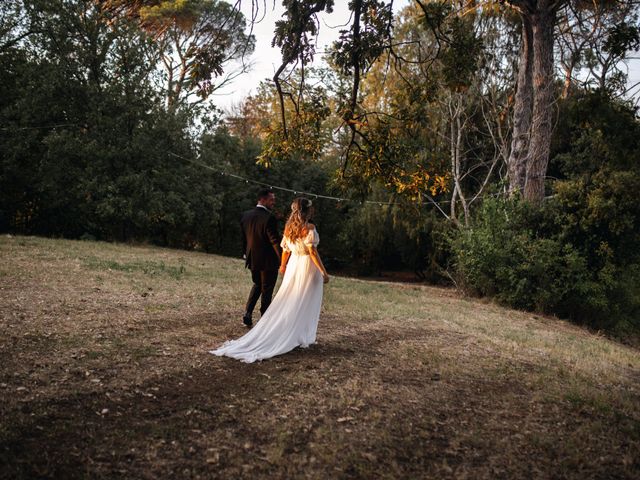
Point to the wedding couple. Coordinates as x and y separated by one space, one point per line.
291 320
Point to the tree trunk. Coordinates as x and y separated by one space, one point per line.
456 108
523 106
568 76
543 98
454 195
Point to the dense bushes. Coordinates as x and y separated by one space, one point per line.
507 256
524 257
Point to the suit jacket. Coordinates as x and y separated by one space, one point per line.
260 239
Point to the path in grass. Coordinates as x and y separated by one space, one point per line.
104 373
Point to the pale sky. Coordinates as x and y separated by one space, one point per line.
267 59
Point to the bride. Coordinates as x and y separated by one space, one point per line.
292 318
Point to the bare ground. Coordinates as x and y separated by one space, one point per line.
104 374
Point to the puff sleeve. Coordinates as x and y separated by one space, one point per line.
284 244
312 239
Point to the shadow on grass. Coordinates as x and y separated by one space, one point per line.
343 408
108 432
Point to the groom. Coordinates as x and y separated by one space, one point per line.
261 245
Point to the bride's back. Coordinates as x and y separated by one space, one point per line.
300 245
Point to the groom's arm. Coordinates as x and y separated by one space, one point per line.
272 234
244 238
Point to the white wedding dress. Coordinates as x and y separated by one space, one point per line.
292 318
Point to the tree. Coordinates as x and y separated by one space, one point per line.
533 109
308 133
619 34
62 99
293 35
85 140
198 40
13 25
370 35
575 254
436 106
522 111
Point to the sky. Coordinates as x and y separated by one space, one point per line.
267 59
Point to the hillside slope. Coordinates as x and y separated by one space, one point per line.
104 373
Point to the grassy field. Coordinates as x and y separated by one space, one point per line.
104 374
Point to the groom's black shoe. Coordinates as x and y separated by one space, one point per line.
247 321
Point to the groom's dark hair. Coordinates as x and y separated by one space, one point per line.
264 193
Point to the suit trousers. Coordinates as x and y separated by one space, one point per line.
264 281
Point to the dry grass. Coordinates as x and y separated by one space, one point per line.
105 374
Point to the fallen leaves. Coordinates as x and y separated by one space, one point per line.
345 419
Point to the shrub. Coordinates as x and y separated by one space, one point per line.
519 254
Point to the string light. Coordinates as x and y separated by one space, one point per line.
317 195
275 187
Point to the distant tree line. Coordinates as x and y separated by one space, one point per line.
108 131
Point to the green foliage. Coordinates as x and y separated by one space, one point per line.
503 256
401 134
198 39
85 144
372 39
237 155
294 33
460 46
460 59
576 256
366 236
184 12
397 237
623 37
307 132
598 162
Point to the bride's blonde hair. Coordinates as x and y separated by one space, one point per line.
297 221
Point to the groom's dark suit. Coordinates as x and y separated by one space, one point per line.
261 245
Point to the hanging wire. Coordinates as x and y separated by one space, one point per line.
276 187
318 195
